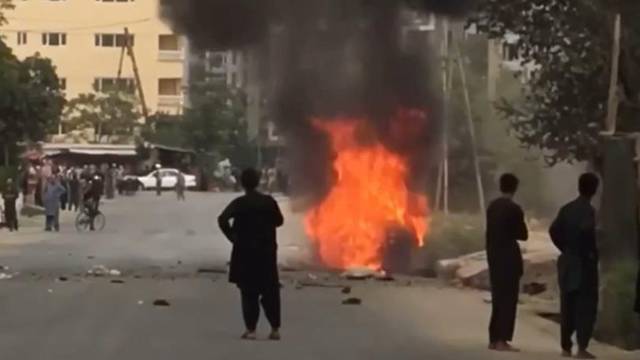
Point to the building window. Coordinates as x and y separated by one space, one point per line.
54 39
114 84
112 40
22 38
169 43
169 87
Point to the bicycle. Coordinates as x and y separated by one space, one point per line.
88 216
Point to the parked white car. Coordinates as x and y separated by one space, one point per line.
169 179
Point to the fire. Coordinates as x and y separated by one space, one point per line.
369 197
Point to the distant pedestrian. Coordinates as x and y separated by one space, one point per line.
10 197
181 184
505 226
64 198
158 176
574 234
51 198
254 264
75 191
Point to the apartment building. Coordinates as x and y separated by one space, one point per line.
84 39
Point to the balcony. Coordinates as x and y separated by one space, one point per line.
170 55
170 101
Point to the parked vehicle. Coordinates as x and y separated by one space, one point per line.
169 179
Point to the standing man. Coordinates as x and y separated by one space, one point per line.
51 198
181 184
574 233
254 264
158 180
10 196
505 226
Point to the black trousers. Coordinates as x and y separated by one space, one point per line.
578 310
504 307
270 300
11 217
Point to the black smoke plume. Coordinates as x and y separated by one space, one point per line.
329 58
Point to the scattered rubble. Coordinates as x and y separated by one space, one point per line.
161 303
117 281
359 274
346 290
540 273
212 271
5 276
534 288
101 270
352 301
384 276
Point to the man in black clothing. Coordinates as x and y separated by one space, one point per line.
505 226
10 196
254 265
91 199
574 233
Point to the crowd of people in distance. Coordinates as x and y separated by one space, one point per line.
56 188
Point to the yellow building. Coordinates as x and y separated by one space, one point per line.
84 39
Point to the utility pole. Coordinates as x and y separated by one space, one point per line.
472 130
129 51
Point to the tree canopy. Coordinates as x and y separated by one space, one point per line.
31 100
569 42
106 114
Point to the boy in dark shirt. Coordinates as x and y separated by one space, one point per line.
574 233
254 264
505 226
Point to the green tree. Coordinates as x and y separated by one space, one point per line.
106 114
30 99
214 123
569 42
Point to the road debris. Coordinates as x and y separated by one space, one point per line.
346 290
117 281
5 276
101 270
63 278
161 303
212 271
352 301
359 274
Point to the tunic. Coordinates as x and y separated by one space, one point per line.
51 198
254 263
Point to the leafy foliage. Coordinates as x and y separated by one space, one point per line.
31 100
107 114
569 42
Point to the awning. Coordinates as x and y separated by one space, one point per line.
89 149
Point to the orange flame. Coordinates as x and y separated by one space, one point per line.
369 197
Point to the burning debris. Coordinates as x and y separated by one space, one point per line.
360 137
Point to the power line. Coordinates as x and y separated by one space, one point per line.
84 27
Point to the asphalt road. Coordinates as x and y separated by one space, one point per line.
142 231
53 310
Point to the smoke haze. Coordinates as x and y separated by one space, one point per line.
332 58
